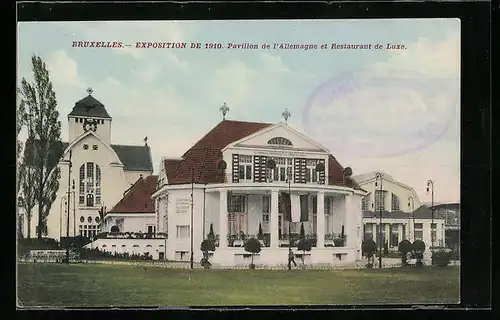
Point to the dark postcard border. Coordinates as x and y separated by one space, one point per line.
475 97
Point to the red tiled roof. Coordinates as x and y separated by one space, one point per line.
201 160
138 198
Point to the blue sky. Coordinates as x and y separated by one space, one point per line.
395 111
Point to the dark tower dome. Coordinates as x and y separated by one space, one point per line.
89 107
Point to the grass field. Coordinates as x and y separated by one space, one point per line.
110 285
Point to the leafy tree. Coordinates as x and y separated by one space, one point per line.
260 235
206 246
304 245
302 232
404 247
29 192
20 111
418 248
369 248
44 132
253 246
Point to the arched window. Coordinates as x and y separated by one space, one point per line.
280 141
90 185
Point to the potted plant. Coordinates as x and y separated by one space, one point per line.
368 248
418 248
253 247
303 245
404 247
207 245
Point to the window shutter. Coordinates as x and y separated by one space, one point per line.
236 168
259 168
296 170
303 168
322 173
263 168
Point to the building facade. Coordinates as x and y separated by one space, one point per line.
226 183
94 172
450 212
403 215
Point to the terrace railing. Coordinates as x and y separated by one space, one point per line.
131 235
335 240
238 240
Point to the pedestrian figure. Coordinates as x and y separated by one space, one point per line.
291 258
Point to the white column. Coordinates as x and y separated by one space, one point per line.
320 220
349 228
273 217
223 219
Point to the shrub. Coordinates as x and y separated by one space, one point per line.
252 246
404 247
302 232
115 229
441 257
368 249
304 245
339 242
211 234
418 248
260 235
206 246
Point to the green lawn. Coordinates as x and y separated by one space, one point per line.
111 285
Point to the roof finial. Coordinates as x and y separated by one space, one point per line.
286 114
146 141
89 91
224 109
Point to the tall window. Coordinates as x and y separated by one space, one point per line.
380 200
315 204
311 173
266 204
182 232
394 235
283 169
381 234
365 202
237 203
89 185
368 231
419 231
245 169
394 202
433 232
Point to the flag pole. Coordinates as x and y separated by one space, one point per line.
289 213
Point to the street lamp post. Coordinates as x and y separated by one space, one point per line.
378 177
192 213
61 216
411 204
430 186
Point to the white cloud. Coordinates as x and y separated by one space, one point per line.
233 84
63 70
148 73
273 63
434 58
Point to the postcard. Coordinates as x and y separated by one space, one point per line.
238 162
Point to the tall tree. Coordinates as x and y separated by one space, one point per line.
44 132
19 148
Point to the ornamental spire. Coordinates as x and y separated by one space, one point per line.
286 114
224 109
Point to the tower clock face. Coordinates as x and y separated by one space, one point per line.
89 124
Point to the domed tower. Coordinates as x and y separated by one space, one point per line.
89 114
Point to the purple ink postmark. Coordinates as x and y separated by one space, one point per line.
371 114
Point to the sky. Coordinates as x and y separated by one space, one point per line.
395 111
